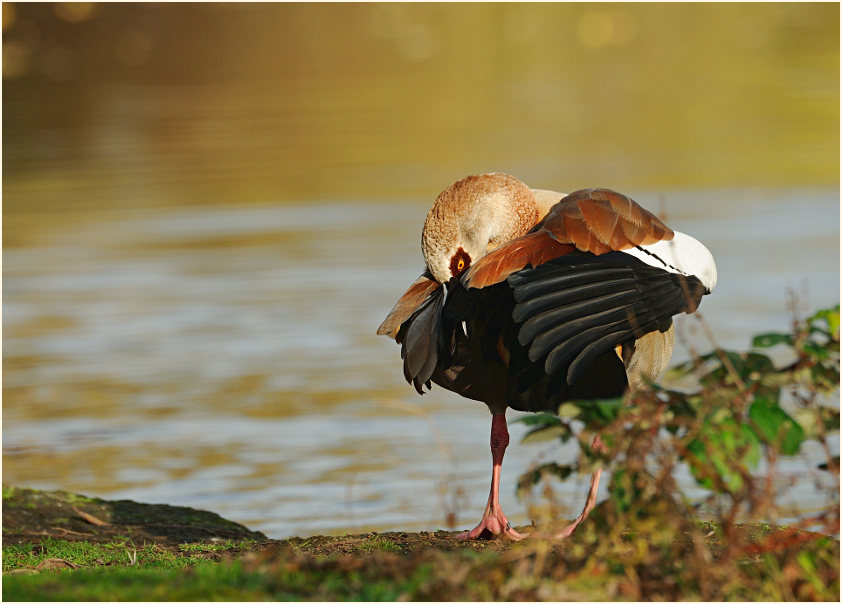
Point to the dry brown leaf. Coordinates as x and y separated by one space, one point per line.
51 563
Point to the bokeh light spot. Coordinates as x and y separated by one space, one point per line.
75 12
9 15
16 59
603 28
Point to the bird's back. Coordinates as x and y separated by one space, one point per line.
577 307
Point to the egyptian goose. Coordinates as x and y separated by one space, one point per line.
531 298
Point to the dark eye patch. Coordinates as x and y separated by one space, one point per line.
460 262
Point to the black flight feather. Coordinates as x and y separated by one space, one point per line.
577 307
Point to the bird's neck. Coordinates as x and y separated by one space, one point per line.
545 199
507 216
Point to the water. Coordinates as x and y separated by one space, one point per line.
199 241
226 358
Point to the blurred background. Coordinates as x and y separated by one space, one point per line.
209 208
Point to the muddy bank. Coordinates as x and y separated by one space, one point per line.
30 516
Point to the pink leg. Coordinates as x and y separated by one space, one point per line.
494 523
596 445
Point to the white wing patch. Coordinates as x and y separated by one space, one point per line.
682 254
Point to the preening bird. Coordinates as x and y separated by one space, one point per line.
531 298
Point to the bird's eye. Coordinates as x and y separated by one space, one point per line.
460 262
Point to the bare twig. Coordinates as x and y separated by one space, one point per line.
726 362
88 517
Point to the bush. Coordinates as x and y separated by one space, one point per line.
745 412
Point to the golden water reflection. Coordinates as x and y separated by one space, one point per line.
251 103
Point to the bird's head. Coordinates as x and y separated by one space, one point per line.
473 216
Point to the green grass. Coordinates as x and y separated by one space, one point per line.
378 543
116 571
207 547
209 581
119 552
205 582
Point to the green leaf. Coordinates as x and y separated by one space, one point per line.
609 408
775 427
765 340
716 370
758 363
544 433
831 317
534 476
725 448
622 489
825 377
536 419
569 410
817 351
601 411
